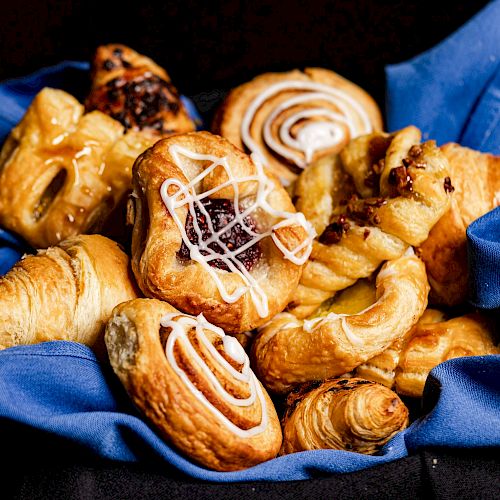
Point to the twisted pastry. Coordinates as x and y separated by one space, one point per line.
289 351
406 364
342 414
134 90
396 190
213 234
291 119
62 172
194 384
66 292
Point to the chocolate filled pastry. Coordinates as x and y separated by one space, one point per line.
134 90
213 234
476 182
342 414
382 194
66 292
291 119
289 351
62 172
194 383
434 339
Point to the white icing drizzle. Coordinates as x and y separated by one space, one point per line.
180 324
326 132
186 195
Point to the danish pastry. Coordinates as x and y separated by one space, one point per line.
66 292
381 195
291 119
213 234
194 384
342 414
62 172
134 90
289 351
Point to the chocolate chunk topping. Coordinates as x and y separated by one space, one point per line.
334 231
448 186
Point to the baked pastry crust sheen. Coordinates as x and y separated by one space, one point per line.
194 384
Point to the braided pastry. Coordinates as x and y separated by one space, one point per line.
342 414
213 234
401 189
194 384
291 119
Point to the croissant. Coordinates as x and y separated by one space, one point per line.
292 119
134 90
381 195
194 383
62 172
434 339
66 292
213 234
342 414
476 179
288 351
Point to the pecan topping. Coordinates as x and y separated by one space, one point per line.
400 181
333 232
448 186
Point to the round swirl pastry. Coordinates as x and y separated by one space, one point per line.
291 119
382 194
62 172
213 234
194 384
289 351
349 414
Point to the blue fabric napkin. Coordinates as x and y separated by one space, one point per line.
61 389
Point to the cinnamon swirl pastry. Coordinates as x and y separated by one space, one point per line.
342 414
213 234
194 383
134 90
291 119
62 172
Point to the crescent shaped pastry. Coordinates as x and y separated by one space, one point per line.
349 414
213 234
291 119
476 179
134 90
406 364
289 351
62 172
382 194
194 384
66 292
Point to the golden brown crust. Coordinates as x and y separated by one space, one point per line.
161 390
342 414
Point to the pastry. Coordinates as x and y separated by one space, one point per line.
66 292
213 234
288 120
61 171
383 194
134 90
433 340
476 179
194 383
289 351
342 414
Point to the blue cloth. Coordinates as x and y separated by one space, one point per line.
61 389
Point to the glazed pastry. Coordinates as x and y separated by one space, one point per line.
476 179
288 120
134 90
431 341
368 205
213 234
342 414
194 383
61 171
289 351
66 292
